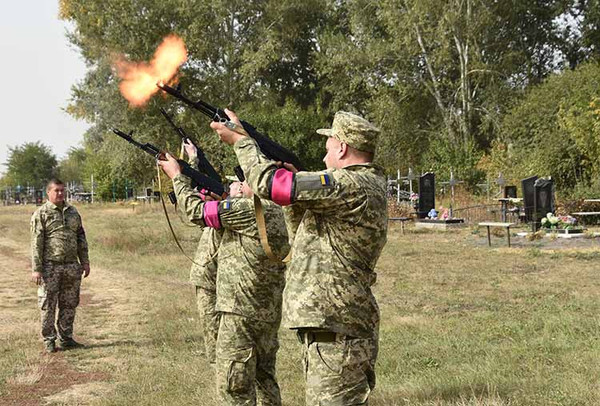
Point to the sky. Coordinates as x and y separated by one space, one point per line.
38 67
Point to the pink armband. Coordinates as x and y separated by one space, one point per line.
211 214
281 187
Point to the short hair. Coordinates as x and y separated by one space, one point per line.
363 155
54 181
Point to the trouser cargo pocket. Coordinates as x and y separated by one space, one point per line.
240 377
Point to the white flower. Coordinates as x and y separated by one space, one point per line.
553 220
549 215
544 220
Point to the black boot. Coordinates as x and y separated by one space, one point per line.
69 343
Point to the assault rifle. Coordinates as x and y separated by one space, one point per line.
270 148
199 180
203 164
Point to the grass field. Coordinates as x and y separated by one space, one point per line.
462 324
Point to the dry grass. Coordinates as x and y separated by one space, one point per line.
462 324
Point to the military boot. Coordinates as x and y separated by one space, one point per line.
49 346
69 343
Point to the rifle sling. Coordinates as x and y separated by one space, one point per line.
162 200
262 233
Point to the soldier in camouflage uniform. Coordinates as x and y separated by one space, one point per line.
338 219
203 274
249 289
204 277
59 258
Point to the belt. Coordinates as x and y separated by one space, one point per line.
308 337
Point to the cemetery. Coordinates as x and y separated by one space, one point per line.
527 212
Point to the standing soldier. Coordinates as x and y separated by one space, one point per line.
249 289
59 258
203 274
340 229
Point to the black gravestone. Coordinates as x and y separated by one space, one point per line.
528 192
510 192
543 200
426 194
39 197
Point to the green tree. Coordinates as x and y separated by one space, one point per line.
437 78
554 131
72 167
30 164
251 56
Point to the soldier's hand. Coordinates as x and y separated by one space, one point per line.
170 167
226 134
190 149
289 167
211 196
86 270
36 277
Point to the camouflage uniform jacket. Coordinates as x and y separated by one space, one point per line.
204 269
248 283
339 218
57 235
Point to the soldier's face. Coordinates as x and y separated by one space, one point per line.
334 153
56 194
240 189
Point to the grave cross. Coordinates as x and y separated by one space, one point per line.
500 181
411 176
452 182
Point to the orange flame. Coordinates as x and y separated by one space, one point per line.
139 78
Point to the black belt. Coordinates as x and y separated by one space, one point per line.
309 336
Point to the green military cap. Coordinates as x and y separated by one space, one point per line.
353 130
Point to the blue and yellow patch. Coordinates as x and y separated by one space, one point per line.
226 204
316 181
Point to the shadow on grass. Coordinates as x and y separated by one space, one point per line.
117 343
447 393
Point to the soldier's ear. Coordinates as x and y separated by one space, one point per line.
343 149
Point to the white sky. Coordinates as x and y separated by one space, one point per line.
38 68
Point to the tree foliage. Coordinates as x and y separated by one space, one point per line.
443 82
30 164
553 131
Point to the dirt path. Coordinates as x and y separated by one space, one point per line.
110 315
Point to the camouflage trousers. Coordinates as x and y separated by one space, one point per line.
206 300
246 357
60 288
338 371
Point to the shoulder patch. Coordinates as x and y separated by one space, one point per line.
226 205
314 181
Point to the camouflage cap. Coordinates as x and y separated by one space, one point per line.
353 130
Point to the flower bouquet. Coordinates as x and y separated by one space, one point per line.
560 223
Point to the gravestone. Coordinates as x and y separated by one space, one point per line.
426 194
543 200
510 192
528 192
39 197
